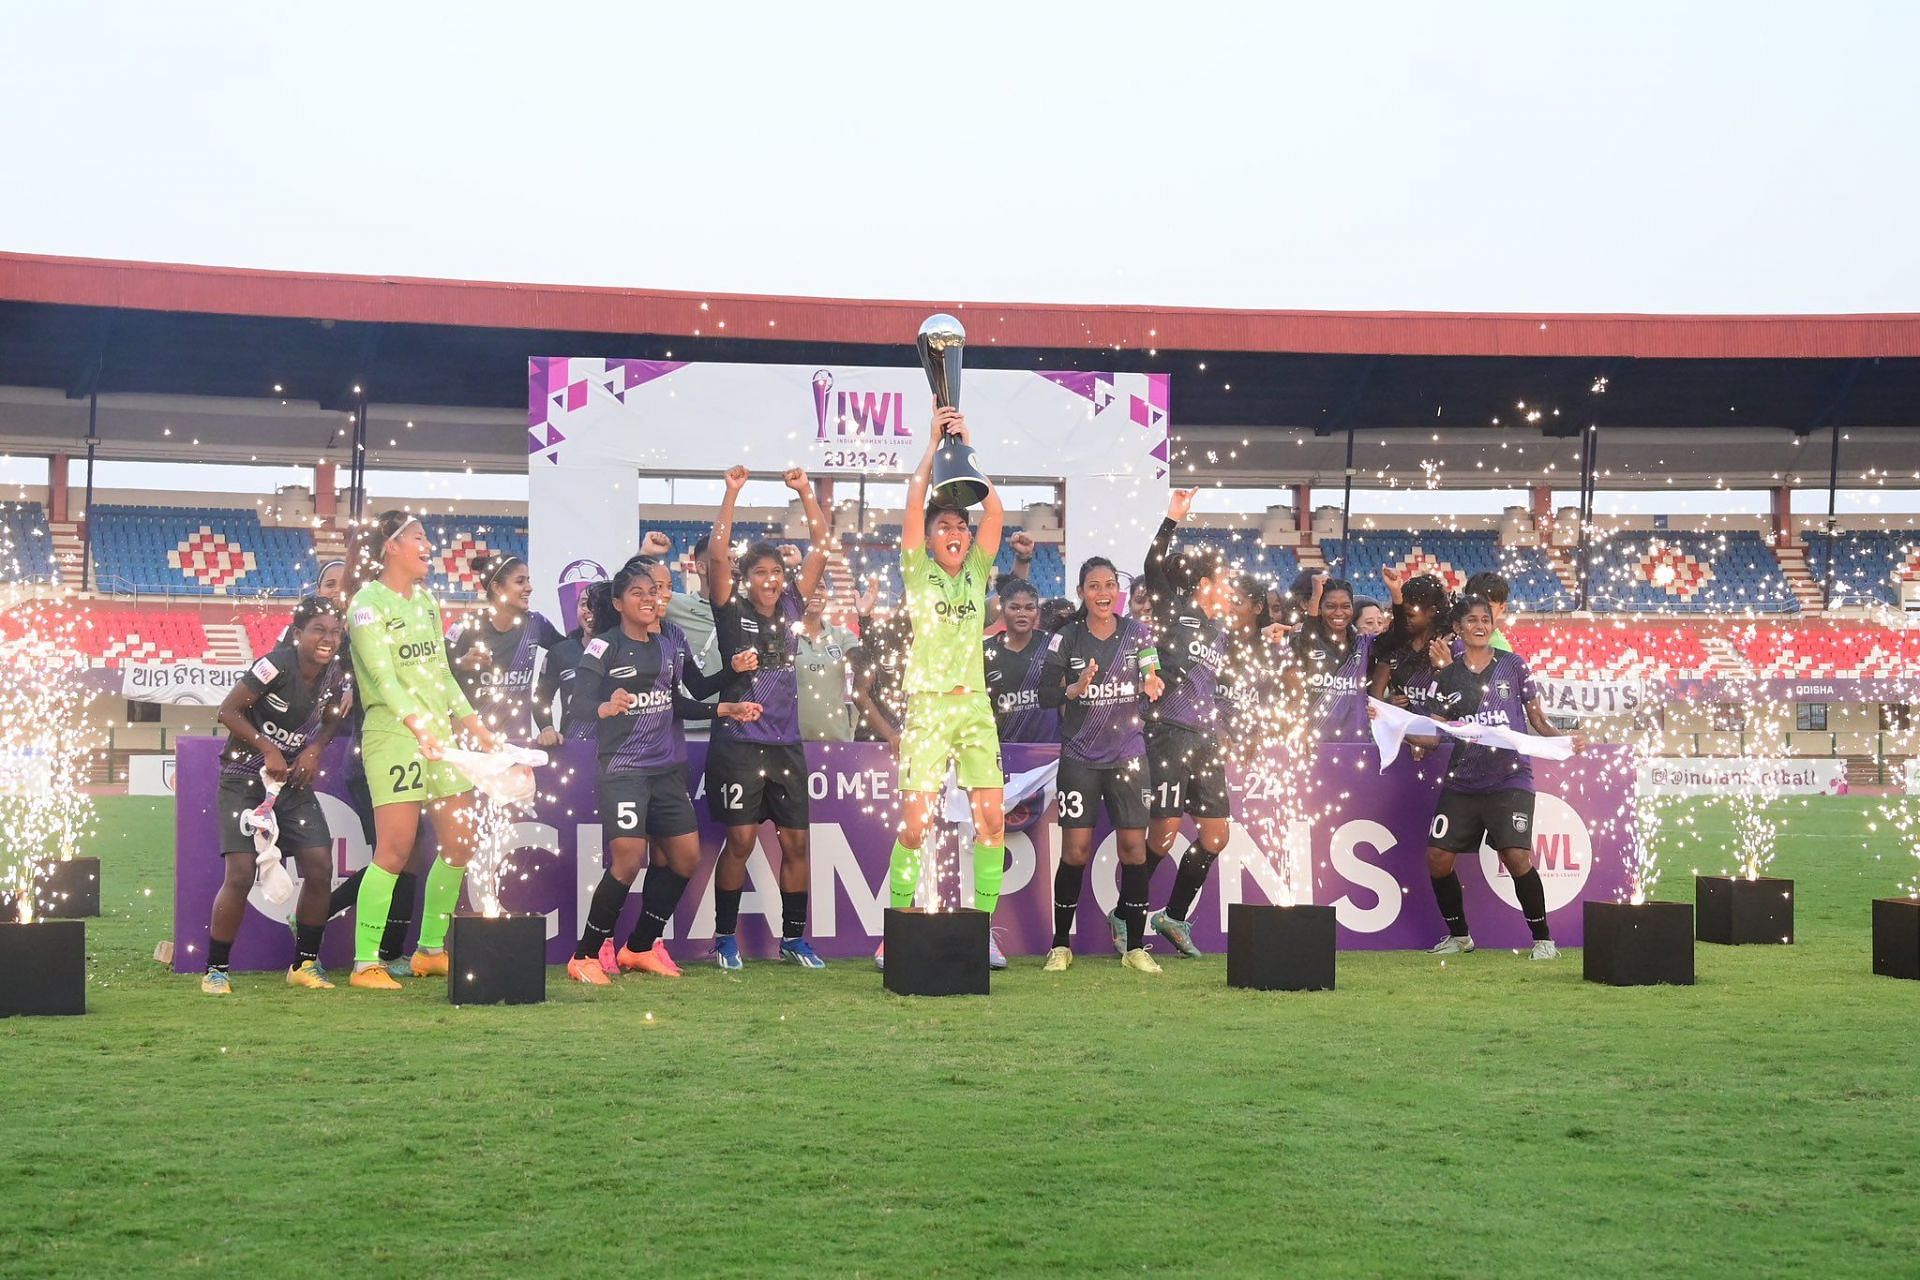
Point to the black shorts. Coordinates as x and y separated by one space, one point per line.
749 783
1504 819
635 806
1084 787
1186 773
302 825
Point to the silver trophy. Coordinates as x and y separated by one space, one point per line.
957 480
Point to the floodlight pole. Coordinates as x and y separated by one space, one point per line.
1833 495
1346 504
1589 476
93 441
357 478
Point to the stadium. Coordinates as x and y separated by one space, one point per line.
511 771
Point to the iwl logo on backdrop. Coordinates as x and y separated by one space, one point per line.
870 414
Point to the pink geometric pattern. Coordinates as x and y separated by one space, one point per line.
456 561
1910 571
209 559
1674 572
1420 562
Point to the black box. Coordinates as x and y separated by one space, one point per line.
43 968
1280 948
936 953
68 890
1734 909
497 959
1638 946
1896 937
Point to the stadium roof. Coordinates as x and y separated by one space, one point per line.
165 343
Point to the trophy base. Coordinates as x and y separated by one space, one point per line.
1642 945
1733 910
1280 948
497 959
937 953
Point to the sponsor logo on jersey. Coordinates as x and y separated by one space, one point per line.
624 673
396 624
1017 700
277 702
417 649
1187 620
264 671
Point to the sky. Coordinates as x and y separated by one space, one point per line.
1695 157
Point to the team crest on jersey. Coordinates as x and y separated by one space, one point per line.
1504 689
1519 822
264 671
595 647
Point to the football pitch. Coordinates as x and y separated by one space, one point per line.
1485 1116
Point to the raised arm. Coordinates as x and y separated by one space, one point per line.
719 567
913 528
1154 571
818 532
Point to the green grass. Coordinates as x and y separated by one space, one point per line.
1488 1117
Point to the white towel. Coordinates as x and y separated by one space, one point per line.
1391 726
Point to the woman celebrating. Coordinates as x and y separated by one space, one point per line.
1016 663
1324 644
1488 792
497 654
411 698
636 674
1098 667
757 769
1405 657
554 689
1187 770
287 703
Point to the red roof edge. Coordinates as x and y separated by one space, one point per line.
150 286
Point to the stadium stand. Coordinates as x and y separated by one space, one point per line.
1610 652
1802 653
1664 572
1866 563
1453 557
26 544
458 540
205 552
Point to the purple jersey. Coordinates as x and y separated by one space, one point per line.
1191 645
287 710
1013 679
773 684
647 737
1248 691
1104 727
1497 696
1343 716
502 691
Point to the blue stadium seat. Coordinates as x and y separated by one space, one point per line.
198 551
1535 588
1650 572
1864 563
26 544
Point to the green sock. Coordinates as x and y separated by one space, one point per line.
442 896
903 874
370 909
989 864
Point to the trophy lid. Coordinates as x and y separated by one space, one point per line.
939 332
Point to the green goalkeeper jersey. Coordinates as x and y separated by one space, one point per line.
949 616
400 660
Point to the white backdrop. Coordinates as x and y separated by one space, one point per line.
595 425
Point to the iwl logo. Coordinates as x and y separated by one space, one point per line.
875 414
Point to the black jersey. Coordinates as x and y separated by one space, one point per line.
664 678
1013 680
287 711
1103 727
1191 645
773 683
502 692
1321 658
553 692
1249 695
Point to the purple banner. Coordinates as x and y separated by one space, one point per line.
1367 858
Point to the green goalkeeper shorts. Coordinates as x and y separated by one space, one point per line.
398 774
943 727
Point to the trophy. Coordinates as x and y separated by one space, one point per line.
956 481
